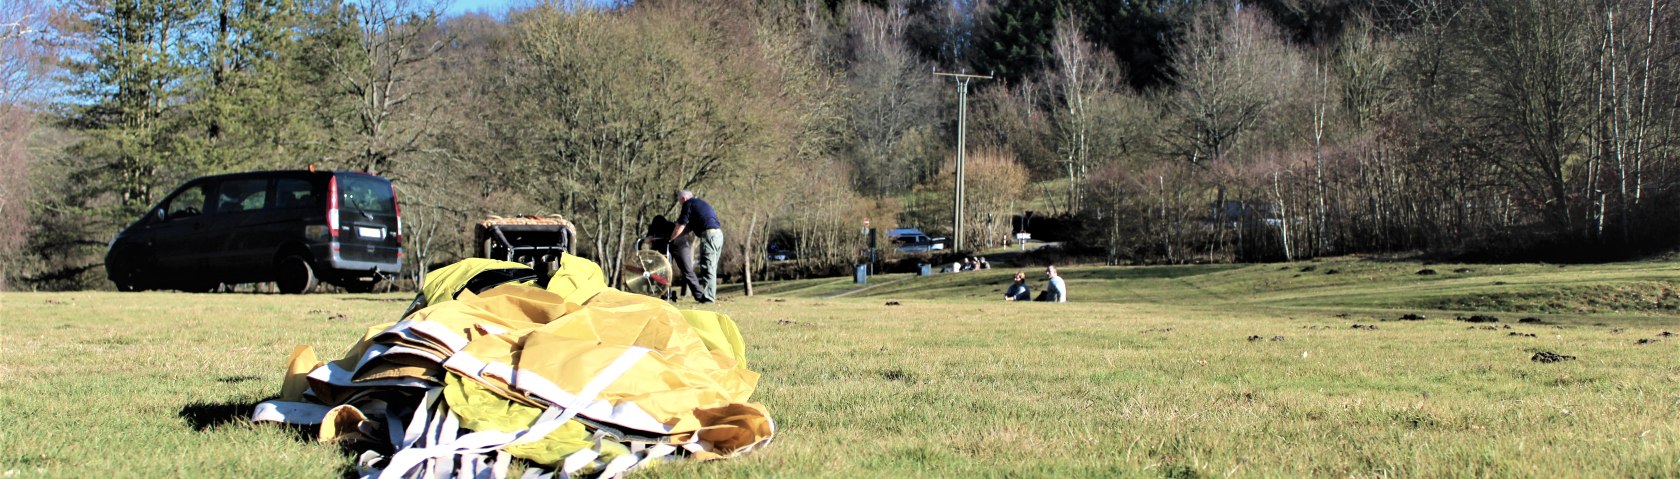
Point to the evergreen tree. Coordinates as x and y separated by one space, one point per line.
135 78
249 79
1014 40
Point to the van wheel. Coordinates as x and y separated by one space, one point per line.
129 282
129 286
294 275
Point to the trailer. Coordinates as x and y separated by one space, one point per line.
534 240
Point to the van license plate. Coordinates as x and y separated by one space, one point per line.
370 233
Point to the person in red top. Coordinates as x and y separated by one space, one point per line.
699 217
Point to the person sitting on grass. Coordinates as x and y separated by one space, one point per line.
1056 290
982 263
1019 290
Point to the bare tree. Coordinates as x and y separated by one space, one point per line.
1532 95
26 52
1084 72
396 39
894 106
1228 69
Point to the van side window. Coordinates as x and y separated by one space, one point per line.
295 193
189 202
242 195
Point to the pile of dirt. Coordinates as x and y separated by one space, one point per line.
1413 317
330 315
1550 357
1644 341
1478 318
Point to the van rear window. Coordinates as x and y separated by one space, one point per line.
370 195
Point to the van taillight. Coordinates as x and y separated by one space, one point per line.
332 207
396 208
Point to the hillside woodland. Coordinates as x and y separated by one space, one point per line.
1147 131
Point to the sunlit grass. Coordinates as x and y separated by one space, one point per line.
1150 373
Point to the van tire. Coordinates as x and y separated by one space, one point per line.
128 282
294 275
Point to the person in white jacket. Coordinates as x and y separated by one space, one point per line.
1056 290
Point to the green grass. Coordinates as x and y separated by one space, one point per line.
1148 374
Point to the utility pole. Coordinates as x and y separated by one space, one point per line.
962 149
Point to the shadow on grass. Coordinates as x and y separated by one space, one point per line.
203 416
207 417
1152 272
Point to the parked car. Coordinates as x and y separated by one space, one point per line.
779 252
295 228
913 240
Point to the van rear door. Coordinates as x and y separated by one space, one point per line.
368 228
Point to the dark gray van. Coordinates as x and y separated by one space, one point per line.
295 228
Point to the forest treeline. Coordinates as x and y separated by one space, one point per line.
1148 131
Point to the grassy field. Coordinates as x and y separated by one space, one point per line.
1151 372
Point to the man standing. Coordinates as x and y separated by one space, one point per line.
699 217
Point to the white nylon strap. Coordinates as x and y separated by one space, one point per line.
578 460
499 470
658 451
596 385
408 459
422 417
619 466
289 412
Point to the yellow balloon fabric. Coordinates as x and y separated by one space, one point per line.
627 365
481 409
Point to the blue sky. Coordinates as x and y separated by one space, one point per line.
499 7
493 7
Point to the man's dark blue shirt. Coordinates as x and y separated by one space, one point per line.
697 215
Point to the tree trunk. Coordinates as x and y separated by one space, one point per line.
1283 219
746 254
